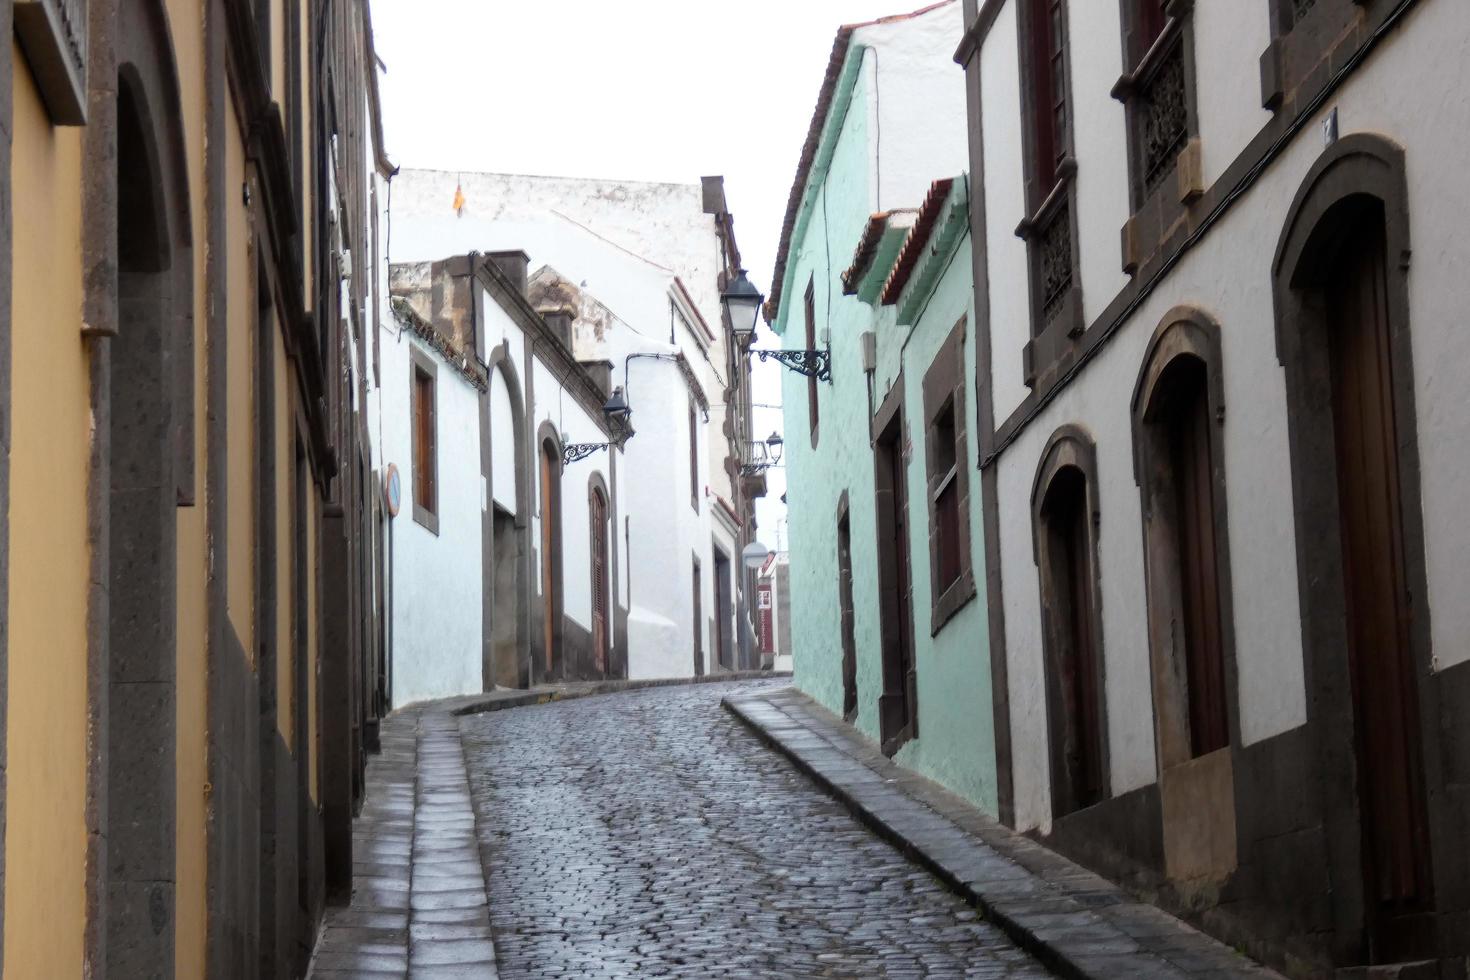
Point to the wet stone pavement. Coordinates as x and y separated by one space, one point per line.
648 834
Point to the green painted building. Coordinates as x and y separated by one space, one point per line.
888 626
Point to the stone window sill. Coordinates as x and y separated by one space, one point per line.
948 604
427 519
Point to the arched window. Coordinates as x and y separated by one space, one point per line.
1064 514
1177 410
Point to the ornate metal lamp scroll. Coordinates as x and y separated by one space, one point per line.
579 450
811 363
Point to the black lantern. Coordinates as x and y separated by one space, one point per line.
773 448
742 302
616 406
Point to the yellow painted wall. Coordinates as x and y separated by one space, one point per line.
239 398
285 529
187 27
45 845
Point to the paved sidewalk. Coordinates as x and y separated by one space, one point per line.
419 909
1076 922
418 906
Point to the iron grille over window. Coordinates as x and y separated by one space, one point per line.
1163 116
1054 249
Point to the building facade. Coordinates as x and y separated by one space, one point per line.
633 272
188 641
1215 265
504 553
886 625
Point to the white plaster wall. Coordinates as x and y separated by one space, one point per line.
566 414
1228 275
1100 143
502 443
436 585
1228 41
610 233
1005 206
917 97
665 531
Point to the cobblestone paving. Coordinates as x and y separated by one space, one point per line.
648 834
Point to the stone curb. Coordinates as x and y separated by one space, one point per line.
478 704
1075 922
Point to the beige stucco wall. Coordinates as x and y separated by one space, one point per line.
187 27
285 531
45 845
239 401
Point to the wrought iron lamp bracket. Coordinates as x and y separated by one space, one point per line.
810 363
574 451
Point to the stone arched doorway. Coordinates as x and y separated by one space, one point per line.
548 663
149 472
508 660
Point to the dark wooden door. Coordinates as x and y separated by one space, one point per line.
1396 862
698 621
844 601
1190 464
720 635
599 582
1078 666
548 553
905 588
898 701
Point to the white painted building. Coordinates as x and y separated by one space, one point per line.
632 273
1226 576
502 555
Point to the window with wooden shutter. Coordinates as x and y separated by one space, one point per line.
944 469
951 580
1157 91
1049 227
425 441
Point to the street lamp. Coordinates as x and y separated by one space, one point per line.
774 444
742 303
614 410
763 455
616 406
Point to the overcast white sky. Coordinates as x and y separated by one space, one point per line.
639 89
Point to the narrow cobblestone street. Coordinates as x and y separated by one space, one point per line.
649 834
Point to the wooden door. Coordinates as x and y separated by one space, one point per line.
844 600
1396 861
904 580
1078 662
698 621
599 582
548 555
1192 471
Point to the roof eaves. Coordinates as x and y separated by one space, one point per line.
835 63
916 270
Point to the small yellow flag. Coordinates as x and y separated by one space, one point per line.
458 201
